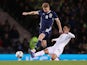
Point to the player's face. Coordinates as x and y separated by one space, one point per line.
47 9
65 29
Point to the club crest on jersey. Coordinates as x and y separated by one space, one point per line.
50 15
43 13
46 17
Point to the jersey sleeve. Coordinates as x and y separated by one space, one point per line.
55 39
55 15
71 35
40 12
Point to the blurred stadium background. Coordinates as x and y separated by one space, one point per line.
16 30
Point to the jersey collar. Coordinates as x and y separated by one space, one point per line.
49 12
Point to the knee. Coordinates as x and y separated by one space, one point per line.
41 36
53 56
44 43
46 51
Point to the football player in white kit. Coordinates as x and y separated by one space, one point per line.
56 50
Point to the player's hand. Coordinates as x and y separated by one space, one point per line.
60 31
52 40
24 13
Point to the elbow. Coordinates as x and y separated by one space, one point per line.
73 36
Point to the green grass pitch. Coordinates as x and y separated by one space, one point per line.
43 62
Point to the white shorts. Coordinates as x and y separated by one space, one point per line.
56 51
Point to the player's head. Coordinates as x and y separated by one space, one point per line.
46 7
66 28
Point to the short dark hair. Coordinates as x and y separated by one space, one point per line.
69 26
45 5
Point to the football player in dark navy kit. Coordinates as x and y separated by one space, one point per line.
47 18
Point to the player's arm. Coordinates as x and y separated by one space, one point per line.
30 13
54 40
71 35
59 25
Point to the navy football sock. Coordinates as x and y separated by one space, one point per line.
38 44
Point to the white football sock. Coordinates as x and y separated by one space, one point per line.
40 53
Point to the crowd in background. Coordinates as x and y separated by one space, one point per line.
9 39
71 12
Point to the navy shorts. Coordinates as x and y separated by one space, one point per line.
47 34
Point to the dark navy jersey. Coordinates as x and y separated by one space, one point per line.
46 20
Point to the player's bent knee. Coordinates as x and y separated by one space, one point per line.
46 51
41 36
53 56
44 43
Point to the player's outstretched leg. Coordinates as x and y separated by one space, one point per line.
40 53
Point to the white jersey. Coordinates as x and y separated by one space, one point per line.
58 47
63 40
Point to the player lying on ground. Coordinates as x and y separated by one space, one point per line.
56 50
47 18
